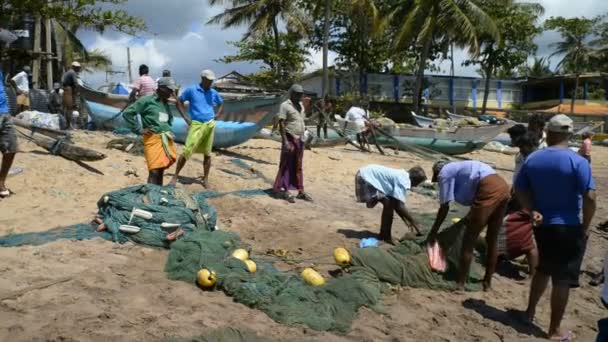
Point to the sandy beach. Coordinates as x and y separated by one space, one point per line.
101 291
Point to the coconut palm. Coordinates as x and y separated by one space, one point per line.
541 67
72 49
424 21
263 17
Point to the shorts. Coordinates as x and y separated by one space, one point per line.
365 192
200 138
491 199
561 249
8 135
23 100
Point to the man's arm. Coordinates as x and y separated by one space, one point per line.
181 109
405 215
442 213
130 117
527 205
589 205
220 101
219 111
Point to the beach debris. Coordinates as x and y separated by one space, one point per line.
174 235
312 277
132 172
15 171
368 242
206 278
495 146
62 147
341 256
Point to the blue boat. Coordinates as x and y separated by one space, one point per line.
240 121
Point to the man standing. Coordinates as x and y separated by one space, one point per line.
144 85
291 126
8 141
203 101
379 184
359 117
21 84
554 184
156 119
475 184
70 84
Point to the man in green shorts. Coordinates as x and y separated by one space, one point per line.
203 101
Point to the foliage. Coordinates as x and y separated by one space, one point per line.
599 58
541 67
574 47
85 13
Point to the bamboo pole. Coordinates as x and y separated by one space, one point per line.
49 54
37 50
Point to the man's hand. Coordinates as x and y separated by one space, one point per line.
146 131
288 146
537 218
431 238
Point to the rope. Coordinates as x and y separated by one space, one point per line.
56 148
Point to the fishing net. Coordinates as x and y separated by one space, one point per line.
283 296
226 335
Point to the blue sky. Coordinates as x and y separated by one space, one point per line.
179 40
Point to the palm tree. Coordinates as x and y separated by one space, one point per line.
541 67
424 21
574 47
72 49
263 17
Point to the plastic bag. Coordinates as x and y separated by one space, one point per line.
436 257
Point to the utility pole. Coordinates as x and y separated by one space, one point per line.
49 54
37 55
129 64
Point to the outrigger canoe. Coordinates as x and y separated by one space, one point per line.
240 121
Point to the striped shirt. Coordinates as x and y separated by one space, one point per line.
146 85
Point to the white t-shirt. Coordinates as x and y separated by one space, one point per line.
21 81
358 116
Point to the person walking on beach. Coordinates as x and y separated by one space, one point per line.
8 141
475 184
585 149
554 185
69 82
379 184
325 107
291 126
156 119
203 103
144 85
21 85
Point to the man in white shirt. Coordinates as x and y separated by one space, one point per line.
359 118
21 84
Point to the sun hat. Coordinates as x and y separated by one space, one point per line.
560 124
208 74
76 64
167 82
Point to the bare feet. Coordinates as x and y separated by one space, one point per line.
173 182
487 285
562 336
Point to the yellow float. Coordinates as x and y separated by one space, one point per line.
455 220
206 279
251 266
240 254
341 256
312 277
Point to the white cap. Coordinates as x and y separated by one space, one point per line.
76 64
75 114
208 74
560 124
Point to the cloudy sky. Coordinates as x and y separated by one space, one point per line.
179 40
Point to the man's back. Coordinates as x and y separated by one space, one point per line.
556 177
146 85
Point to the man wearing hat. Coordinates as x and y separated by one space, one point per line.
21 84
203 103
555 185
291 125
476 185
156 119
69 81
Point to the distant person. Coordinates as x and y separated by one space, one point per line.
156 119
291 126
166 73
70 82
536 125
8 140
527 143
206 104
476 185
359 117
326 108
379 184
554 185
144 85
56 99
585 149
21 85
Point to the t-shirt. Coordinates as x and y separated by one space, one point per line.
155 115
146 85
585 149
356 114
557 178
3 100
458 181
202 102
70 79
294 119
391 182
21 80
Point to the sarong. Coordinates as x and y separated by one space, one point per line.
159 150
492 196
199 139
365 192
23 100
516 235
290 175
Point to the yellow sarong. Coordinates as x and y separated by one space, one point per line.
159 150
199 139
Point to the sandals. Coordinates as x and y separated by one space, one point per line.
304 196
567 337
286 196
6 193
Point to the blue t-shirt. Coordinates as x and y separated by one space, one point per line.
557 178
202 102
458 181
391 182
3 100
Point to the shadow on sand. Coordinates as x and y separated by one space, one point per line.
508 318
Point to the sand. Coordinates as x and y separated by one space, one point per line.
106 291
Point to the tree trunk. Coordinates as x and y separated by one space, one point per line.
575 93
452 108
486 92
277 46
325 82
420 74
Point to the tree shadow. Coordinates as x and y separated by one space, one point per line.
358 234
508 318
244 157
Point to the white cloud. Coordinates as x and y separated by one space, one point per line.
316 60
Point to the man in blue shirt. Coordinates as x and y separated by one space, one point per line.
8 141
554 185
203 101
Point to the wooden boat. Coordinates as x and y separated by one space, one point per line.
456 117
240 121
422 121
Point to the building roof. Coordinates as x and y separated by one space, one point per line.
236 82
